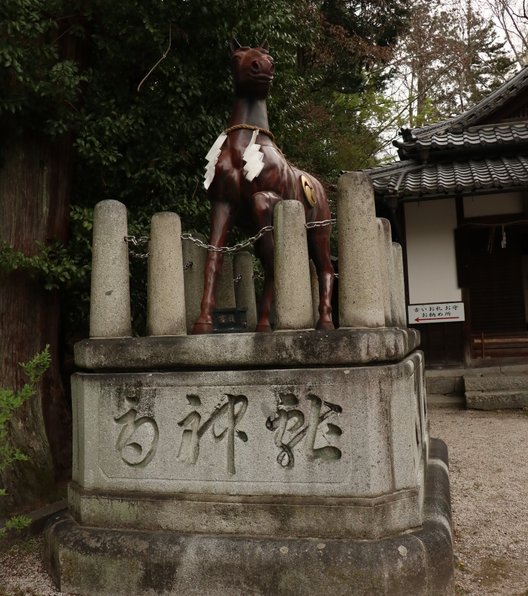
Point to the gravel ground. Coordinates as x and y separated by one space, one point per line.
489 488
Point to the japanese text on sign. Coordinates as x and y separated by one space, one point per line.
438 312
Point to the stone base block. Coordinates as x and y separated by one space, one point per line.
90 560
230 351
496 400
362 518
357 434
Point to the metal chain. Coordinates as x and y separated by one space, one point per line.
228 249
141 240
137 241
319 224
139 255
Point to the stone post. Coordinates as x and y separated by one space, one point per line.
193 274
293 293
225 289
165 292
314 282
110 287
399 312
245 287
385 248
361 301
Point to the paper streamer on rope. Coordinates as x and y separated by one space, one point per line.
212 159
253 158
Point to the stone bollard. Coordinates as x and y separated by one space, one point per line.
110 286
314 282
165 291
293 293
385 251
225 289
193 274
399 313
361 301
245 287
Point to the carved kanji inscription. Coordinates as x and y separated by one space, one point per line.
292 427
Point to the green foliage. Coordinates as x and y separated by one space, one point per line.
37 87
75 67
10 401
146 146
17 522
57 266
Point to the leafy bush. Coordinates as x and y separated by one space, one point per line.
9 401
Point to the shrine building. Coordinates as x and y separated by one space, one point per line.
460 197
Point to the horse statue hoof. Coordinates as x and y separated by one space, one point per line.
325 325
263 328
202 328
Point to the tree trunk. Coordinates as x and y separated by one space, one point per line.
34 205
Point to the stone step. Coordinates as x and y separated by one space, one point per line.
499 382
441 400
497 400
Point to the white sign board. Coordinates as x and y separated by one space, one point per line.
437 312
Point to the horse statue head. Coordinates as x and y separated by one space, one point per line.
253 70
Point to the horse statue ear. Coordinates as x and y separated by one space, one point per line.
264 45
234 45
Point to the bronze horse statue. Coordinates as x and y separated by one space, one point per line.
246 176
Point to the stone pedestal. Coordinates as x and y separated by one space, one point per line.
285 463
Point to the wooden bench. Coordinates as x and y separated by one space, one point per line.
495 345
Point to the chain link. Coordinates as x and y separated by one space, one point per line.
142 240
319 224
139 255
137 241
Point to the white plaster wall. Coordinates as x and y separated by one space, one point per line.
483 205
431 258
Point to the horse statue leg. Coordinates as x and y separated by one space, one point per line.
262 210
222 215
319 249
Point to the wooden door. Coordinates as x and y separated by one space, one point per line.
493 274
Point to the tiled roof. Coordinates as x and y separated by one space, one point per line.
412 180
485 107
463 155
477 137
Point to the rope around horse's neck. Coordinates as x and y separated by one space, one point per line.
264 131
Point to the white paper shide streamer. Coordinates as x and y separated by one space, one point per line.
253 158
212 159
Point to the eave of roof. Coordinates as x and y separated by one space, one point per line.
410 180
461 156
476 139
484 108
